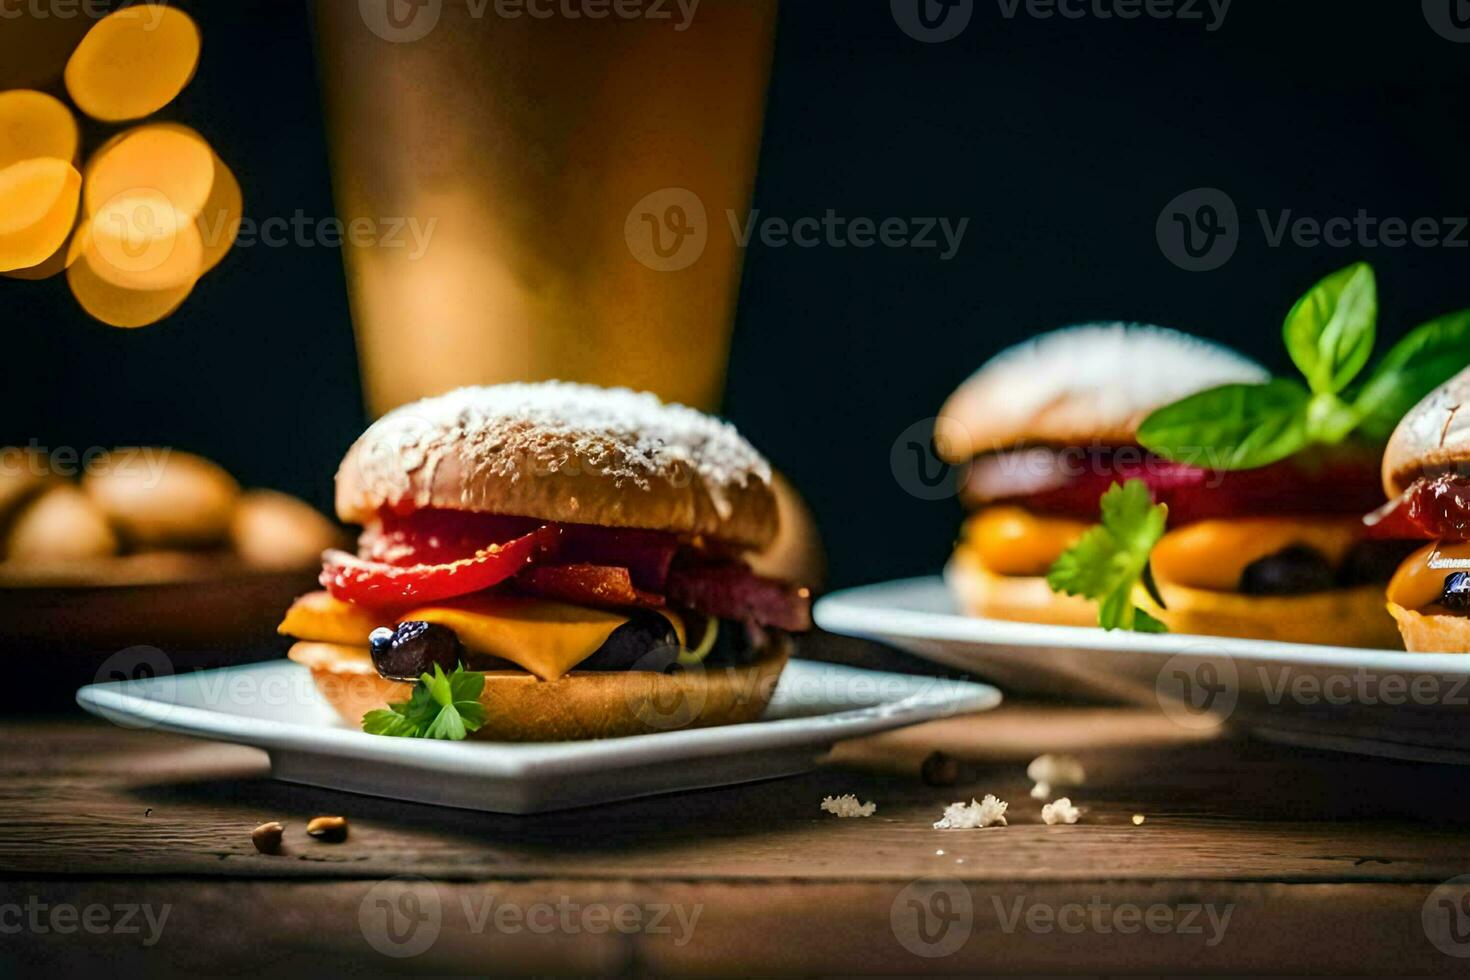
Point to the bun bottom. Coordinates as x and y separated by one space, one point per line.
1342 617
1432 633
1019 598
581 705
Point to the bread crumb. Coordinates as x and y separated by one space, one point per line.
1062 811
977 813
847 805
1138 819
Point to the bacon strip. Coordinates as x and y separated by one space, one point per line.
1071 482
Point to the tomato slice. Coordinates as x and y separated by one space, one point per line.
375 583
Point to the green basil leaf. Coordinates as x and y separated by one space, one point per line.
1330 331
1430 355
1232 427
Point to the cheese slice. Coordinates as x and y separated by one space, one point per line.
1417 585
1010 540
1214 554
542 637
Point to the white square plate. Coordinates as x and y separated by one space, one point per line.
1380 702
276 707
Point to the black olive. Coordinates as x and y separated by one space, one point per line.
645 642
1297 570
1456 594
413 648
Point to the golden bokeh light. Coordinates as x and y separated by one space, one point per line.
154 208
219 220
165 158
55 265
133 62
119 307
38 207
34 124
141 241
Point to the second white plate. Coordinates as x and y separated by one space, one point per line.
1381 702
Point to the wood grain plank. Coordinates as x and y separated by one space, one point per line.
742 929
83 798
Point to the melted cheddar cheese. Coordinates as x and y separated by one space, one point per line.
544 638
1214 554
1010 540
1417 585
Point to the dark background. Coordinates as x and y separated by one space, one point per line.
1061 140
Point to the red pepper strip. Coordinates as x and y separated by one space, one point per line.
373 583
732 591
438 537
587 585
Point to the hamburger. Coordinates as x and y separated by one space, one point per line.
1426 473
570 559
1044 429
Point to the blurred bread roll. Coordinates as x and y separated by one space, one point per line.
60 524
162 498
275 530
23 472
796 555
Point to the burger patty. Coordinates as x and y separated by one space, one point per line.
647 642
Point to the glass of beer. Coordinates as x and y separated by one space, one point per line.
536 189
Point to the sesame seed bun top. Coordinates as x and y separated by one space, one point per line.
1090 384
563 452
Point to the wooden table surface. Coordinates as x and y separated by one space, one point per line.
1251 858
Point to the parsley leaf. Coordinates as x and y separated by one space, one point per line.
1111 559
442 705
